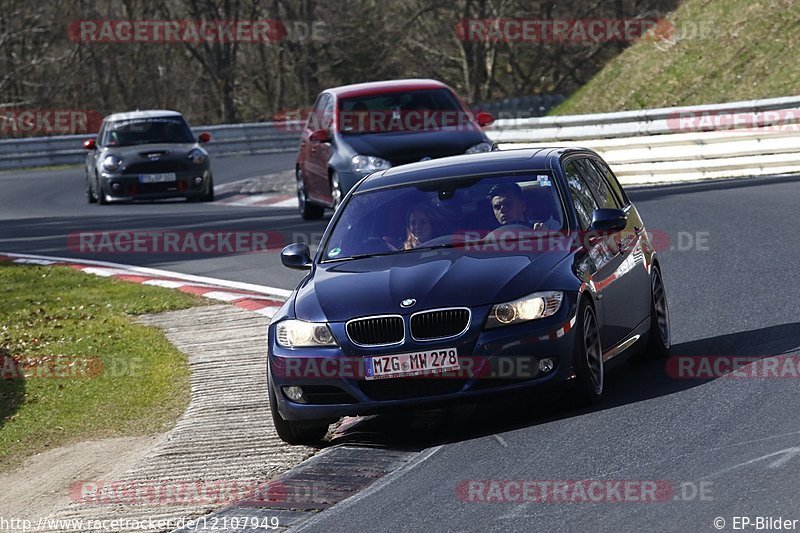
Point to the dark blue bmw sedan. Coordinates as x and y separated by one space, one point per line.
454 279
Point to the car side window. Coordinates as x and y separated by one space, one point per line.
314 121
597 184
612 181
100 134
327 114
106 139
582 198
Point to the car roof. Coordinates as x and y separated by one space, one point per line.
377 87
514 160
149 113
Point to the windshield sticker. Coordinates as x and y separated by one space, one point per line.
544 180
334 252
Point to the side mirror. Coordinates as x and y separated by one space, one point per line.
89 144
204 137
609 220
296 256
319 136
484 119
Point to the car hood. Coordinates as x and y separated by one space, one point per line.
441 278
143 152
409 147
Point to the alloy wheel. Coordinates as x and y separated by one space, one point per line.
593 349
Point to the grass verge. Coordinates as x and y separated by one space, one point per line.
719 51
75 366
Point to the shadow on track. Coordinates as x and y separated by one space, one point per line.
12 387
644 193
629 383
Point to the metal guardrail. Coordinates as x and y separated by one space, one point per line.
641 146
751 138
226 140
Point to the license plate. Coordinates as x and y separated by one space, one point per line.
411 364
157 178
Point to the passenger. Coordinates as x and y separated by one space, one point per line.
419 227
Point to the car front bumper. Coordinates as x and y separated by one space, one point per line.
496 361
128 187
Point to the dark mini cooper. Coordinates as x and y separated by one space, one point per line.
355 130
147 155
453 279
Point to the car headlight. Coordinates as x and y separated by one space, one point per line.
369 163
197 156
536 305
112 163
299 334
478 148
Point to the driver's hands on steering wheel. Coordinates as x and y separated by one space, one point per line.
389 241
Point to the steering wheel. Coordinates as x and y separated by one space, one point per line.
503 229
377 245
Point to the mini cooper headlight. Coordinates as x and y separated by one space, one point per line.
299 334
536 305
112 163
197 156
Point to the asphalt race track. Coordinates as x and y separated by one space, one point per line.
731 277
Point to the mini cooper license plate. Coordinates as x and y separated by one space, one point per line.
157 178
411 364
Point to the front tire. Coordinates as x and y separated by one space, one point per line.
101 195
90 197
588 357
294 433
209 195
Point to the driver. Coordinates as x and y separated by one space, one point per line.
508 204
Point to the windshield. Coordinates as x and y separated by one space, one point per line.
401 111
447 214
148 131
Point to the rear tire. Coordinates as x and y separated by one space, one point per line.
587 357
209 196
294 433
308 210
660 335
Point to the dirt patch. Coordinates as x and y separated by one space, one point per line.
41 485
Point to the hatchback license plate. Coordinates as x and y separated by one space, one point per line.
411 364
157 178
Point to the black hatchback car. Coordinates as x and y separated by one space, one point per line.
147 155
456 278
